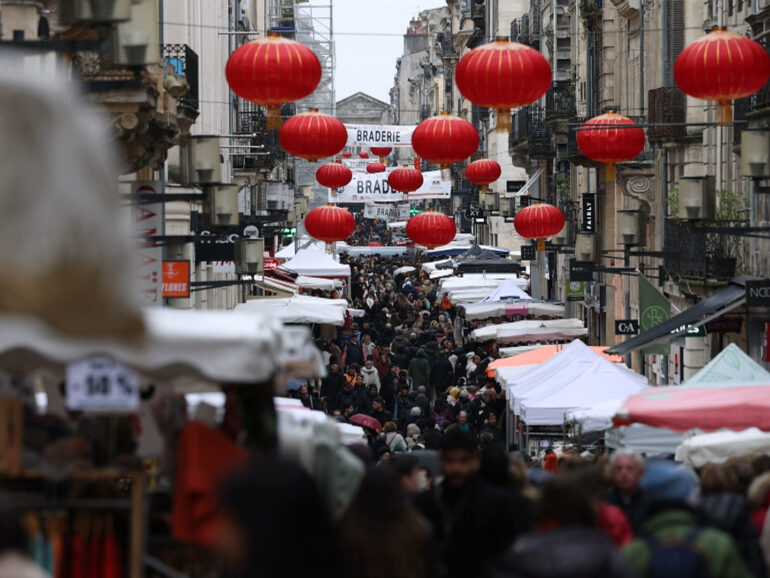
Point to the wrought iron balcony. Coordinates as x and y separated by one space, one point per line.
701 255
184 61
530 129
252 124
560 101
667 106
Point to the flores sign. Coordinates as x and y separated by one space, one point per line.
758 293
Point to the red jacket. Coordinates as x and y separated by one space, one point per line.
551 463
613 522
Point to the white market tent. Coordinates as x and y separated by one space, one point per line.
317 283
313 263
518 349
718 447
489 281
219 346
305 242
531 330
542 395
730 368
298 309
510 299
292 414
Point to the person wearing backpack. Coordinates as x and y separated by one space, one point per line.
671 543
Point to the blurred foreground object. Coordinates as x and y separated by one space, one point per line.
65 254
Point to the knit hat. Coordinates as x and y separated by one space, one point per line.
412 430
665 481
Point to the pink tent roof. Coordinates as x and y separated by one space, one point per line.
708 409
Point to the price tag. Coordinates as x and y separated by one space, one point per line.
101 384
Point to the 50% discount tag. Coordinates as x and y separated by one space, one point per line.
101 384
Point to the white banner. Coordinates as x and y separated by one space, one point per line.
356 164
387 213
382 135
375 188
433 187
148 222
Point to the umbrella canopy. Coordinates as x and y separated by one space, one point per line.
366 421
735 408
542 354
718 447
402 270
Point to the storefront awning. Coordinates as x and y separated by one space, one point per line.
734 295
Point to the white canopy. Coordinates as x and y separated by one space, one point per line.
403 270
220 346
531 330
510 299
305 242
507 290
575 375
317 283
481 280
718 447
730 368
292 414
314 263
298 309
518 349
597 417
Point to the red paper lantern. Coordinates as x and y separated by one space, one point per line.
445 139
431 229
381 152
334 175
330 223
503 75
272 71
722 66
405 180
539 221
363 155
313 135
483 172
610 138
346 155
373 168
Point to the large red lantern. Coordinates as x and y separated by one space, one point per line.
373 168
539 221
334 175
272 71
445 139
431 229
405 180
313 135
610 138
483 172
722 66
330 224
503 75
381 152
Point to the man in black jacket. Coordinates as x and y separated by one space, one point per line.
346 396
473 522
440 374
331 385
353 352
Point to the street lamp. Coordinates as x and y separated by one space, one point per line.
205 155
585 247
755 153
562 238
221 207
94 11
249 255
138 39
696 199
629 228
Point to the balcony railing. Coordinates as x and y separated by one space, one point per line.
560 101
184 61
529 127
701 256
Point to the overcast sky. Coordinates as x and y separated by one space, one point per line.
366 62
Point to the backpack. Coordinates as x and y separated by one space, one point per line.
678 558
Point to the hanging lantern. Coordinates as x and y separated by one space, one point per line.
363 155
503 75
334 175
346 155
405 180
483 172
722 66
313 135
445 139
272 71
431 229
610 138
539 221
373 168
330 224
381 152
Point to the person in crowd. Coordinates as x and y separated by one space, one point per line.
472 521
393 438
383 454
346 397
308 400
419 369
410 474
626 470
351 374
379 412
671 539
463 424
566 542
432 436
550 461
331 385
371 375
441 373
353 352
380 534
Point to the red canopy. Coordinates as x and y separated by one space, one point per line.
735 408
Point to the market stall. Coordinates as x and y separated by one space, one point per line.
721 446
298 309
313 263
531 330
502 369
507 300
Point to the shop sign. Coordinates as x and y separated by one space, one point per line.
627 327
689 331
270 263
758 293
581 271
211 246
176 279
101 384
148 222
589 213
514 186
725 325
528 253
576 290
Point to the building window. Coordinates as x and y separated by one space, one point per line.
729 7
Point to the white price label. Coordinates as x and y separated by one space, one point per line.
101 384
